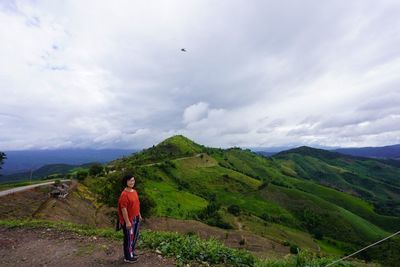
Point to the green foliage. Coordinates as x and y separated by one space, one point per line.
294 249
211 216
312 220
189 248
387 252
264 185
81 175
109 188
302 259
280 182
96 169
234 209
147 204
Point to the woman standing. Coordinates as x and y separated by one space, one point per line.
129 217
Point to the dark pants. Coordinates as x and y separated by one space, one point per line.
131 236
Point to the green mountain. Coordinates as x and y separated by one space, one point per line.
376 181
174 147
306 197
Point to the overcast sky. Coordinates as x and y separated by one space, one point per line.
111 74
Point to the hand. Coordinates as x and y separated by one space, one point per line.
140 218
128 225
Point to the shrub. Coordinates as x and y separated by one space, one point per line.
294 249
210 216
234 209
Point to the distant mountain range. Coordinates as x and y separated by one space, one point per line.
384 152
27 160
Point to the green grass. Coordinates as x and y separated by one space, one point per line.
278 232
351 203
306 259
331 219
171 202
330 248
373 180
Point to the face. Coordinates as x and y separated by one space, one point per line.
131 182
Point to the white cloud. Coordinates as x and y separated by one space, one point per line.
101 74
195 112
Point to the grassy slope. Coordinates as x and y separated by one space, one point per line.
374 181
234 176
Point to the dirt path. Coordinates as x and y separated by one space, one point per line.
49 247
177 159
239 224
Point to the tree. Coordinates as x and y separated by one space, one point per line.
81 175
96 169
2 158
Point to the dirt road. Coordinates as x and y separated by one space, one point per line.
24 188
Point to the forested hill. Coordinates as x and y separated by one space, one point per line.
307 197
376 181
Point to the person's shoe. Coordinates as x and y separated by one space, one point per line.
133 260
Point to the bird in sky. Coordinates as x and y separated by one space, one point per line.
183 50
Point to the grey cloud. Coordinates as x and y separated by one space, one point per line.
114 75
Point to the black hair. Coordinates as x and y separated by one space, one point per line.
126 178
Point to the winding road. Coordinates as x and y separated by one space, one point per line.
26 187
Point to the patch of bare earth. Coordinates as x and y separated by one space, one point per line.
49 247
259 246
78 207
22 205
